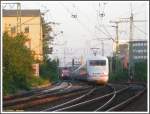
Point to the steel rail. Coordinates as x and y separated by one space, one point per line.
36 95
124 103
91 100
29 93
110 100
69 102
48 98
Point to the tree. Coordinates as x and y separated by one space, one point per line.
47 38
141 70
17 63
49 70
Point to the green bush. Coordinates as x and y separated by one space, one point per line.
37 81
141 71
119 76
17 64
49 70
118 73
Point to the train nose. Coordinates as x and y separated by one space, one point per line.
99 78
103 79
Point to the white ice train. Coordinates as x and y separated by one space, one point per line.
95 69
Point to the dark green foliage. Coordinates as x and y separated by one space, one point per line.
49 70
141 71
118 72
17 61
119 76
47 38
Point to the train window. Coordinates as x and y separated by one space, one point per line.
97 62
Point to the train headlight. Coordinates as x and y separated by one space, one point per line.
105 73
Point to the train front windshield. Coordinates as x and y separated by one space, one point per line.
97 62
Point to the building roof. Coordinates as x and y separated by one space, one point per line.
138 41
24 13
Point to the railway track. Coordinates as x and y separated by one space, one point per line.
42 97
29 93
112 101
81 98
115 105
112 97
34 94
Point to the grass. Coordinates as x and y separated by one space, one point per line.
38 81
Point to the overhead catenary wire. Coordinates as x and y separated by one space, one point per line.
98 28
133 10
139 8
84 26
106 34
80 22
85 15
107 30
102 25
139 29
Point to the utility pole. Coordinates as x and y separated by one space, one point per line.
18 18
64 57
65 53
102 43
127 20
117 42
102 47
131 70
95 50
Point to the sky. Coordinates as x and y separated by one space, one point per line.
80 34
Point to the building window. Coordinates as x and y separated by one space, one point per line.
145 57
145 44
26 30
140 51
135 57
135 44
13 29
142 44
139 44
